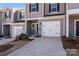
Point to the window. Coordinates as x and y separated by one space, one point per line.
7 14
22 15
54 7
34 7
15 15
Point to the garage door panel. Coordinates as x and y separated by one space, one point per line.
17 30
51 28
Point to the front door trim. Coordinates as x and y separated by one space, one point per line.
35 27
75 27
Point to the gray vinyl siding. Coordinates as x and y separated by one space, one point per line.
0 27
71 27
8 20
73 5
61 9
71 24
0 22
34 14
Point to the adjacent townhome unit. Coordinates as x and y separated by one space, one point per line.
0 22
72 20
13 21
18 25
45 19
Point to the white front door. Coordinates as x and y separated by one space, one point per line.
51 28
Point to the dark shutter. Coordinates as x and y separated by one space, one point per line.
5 15
49 7
37 6
9 14
15 16
20 15
58 7
29 7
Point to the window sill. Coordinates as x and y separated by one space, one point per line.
55 12
7 18
33 12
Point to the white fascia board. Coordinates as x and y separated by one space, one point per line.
7 23
18 23
14 9
34 18
73 11
46 18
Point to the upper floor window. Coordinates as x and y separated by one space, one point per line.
34 7
22 15
54 7
7 14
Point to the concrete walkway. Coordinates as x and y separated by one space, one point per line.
6 40
41 47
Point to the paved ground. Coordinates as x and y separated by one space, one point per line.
5 40
41 47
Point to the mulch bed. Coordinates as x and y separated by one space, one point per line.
69 44
12 46
23 40
5 47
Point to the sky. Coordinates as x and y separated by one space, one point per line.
13 5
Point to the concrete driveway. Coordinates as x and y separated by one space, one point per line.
41 47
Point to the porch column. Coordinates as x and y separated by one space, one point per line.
39 27
67 21
26 26
11 34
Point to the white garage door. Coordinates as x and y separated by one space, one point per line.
51 28
17 30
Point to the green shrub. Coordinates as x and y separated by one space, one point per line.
23 36
64 37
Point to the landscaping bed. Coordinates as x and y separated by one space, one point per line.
13 45
71 46
5 47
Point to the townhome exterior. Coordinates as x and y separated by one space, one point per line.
45 19
41 19
13 21
72 21
7 21
18 26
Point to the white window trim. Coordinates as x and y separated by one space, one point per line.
34 7
54 7
75 27
7 14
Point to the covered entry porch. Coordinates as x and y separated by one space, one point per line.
74 25
46 26
33 28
